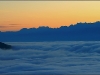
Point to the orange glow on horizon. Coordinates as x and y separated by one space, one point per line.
15 15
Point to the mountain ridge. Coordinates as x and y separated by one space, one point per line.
77 32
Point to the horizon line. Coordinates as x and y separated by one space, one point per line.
54 27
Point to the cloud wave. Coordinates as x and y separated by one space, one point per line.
73 57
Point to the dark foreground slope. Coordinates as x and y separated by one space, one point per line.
78 32
5 46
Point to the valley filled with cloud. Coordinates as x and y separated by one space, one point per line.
69 57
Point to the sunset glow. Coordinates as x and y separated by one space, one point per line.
15 15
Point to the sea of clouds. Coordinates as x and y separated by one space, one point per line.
70 57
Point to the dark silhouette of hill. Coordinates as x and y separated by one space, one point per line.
78 32
5 46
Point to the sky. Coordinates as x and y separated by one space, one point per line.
15 15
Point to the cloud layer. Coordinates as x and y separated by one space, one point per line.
51 58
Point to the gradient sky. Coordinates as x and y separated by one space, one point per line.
15 15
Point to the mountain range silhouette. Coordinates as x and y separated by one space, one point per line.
77 32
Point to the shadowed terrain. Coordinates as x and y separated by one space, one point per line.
5 46
77 32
